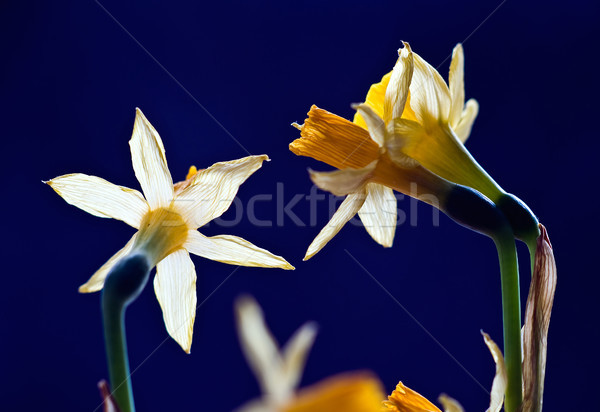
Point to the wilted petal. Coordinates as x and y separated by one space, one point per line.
150 163
537 322
449 404
379 213
343 182
349 207
404 399
334 140
295 352
375 124
233 250
467 118
96 282
260 349
500 379
108 402
430 98
456 81
101 198
212 190
396 93
175 288
350 392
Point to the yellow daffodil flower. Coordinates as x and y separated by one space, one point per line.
167 219
435 122
404 399
279 371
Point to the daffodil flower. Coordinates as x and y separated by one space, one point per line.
404 399
167 221
279 371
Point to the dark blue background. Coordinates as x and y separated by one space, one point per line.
71 78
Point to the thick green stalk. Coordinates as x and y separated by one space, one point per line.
511 316
123 284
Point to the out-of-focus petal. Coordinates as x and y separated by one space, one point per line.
108 402
233 250
349 207
295 352
350 392
150 163
212 190
396 93
101 198
500 379
96 282
456 82
261 349
537 322
467 118
343 182
375 124
404 399
175 288
379 213
334 140
430 98
449 404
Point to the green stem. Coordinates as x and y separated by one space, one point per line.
123 284
511 316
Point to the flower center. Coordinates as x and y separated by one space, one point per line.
161 233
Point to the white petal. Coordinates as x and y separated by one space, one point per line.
345 181
463 128
101 198
96 282
175 288
211 192
375 124
456 81
260 348
500 380
429 95
295 353
233 250
396 92
449 404
349 207
150 163
379 212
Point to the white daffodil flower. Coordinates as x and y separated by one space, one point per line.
167 221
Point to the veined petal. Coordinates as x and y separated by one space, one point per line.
343 182
261 349
449 404
150 163
350 392
101 198
500 379
349 207
233 250
467 118
430 98
175 288
379 213
404 399
375 124
334 140
396 93
96 282
456 81
537 323
295 352
212 190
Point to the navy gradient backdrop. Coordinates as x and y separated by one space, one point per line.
71 78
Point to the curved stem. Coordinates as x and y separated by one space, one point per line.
123 284
511 316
